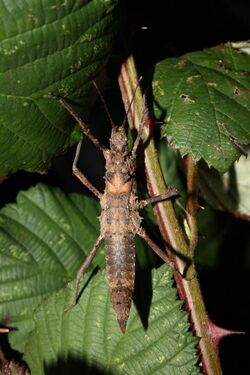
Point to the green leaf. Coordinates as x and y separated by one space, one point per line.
47 47
88 339
230 191
44 240
204 99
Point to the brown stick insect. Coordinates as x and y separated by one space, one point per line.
120 220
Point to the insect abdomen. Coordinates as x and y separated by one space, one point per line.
120 265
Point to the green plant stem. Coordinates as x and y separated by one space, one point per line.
192 204
172 233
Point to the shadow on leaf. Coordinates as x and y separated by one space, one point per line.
143 294
73 365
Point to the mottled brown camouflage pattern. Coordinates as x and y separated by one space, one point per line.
120 221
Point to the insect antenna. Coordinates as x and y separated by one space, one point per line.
131 102
104 104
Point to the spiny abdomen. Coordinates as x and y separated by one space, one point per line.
120 266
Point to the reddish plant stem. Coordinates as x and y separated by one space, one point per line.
172 233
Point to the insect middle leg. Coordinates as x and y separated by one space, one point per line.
81 271
158 198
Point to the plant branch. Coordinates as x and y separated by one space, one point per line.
192 204
172 233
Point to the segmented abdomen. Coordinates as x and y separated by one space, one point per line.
120 266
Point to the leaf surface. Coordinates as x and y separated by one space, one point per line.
44 240
88 339
45 237
204 99
47 47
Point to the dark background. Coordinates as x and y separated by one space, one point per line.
174 28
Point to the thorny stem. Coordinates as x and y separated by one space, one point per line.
192 204
172 233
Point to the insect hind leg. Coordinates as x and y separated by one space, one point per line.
164 256
155 247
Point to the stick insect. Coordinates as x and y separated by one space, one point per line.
120 220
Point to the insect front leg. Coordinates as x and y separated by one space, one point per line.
139 133
81 176
158 198
83 126
81 271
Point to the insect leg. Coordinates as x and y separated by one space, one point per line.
155 248
158 198
81 176
81 271
82 124
139 134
